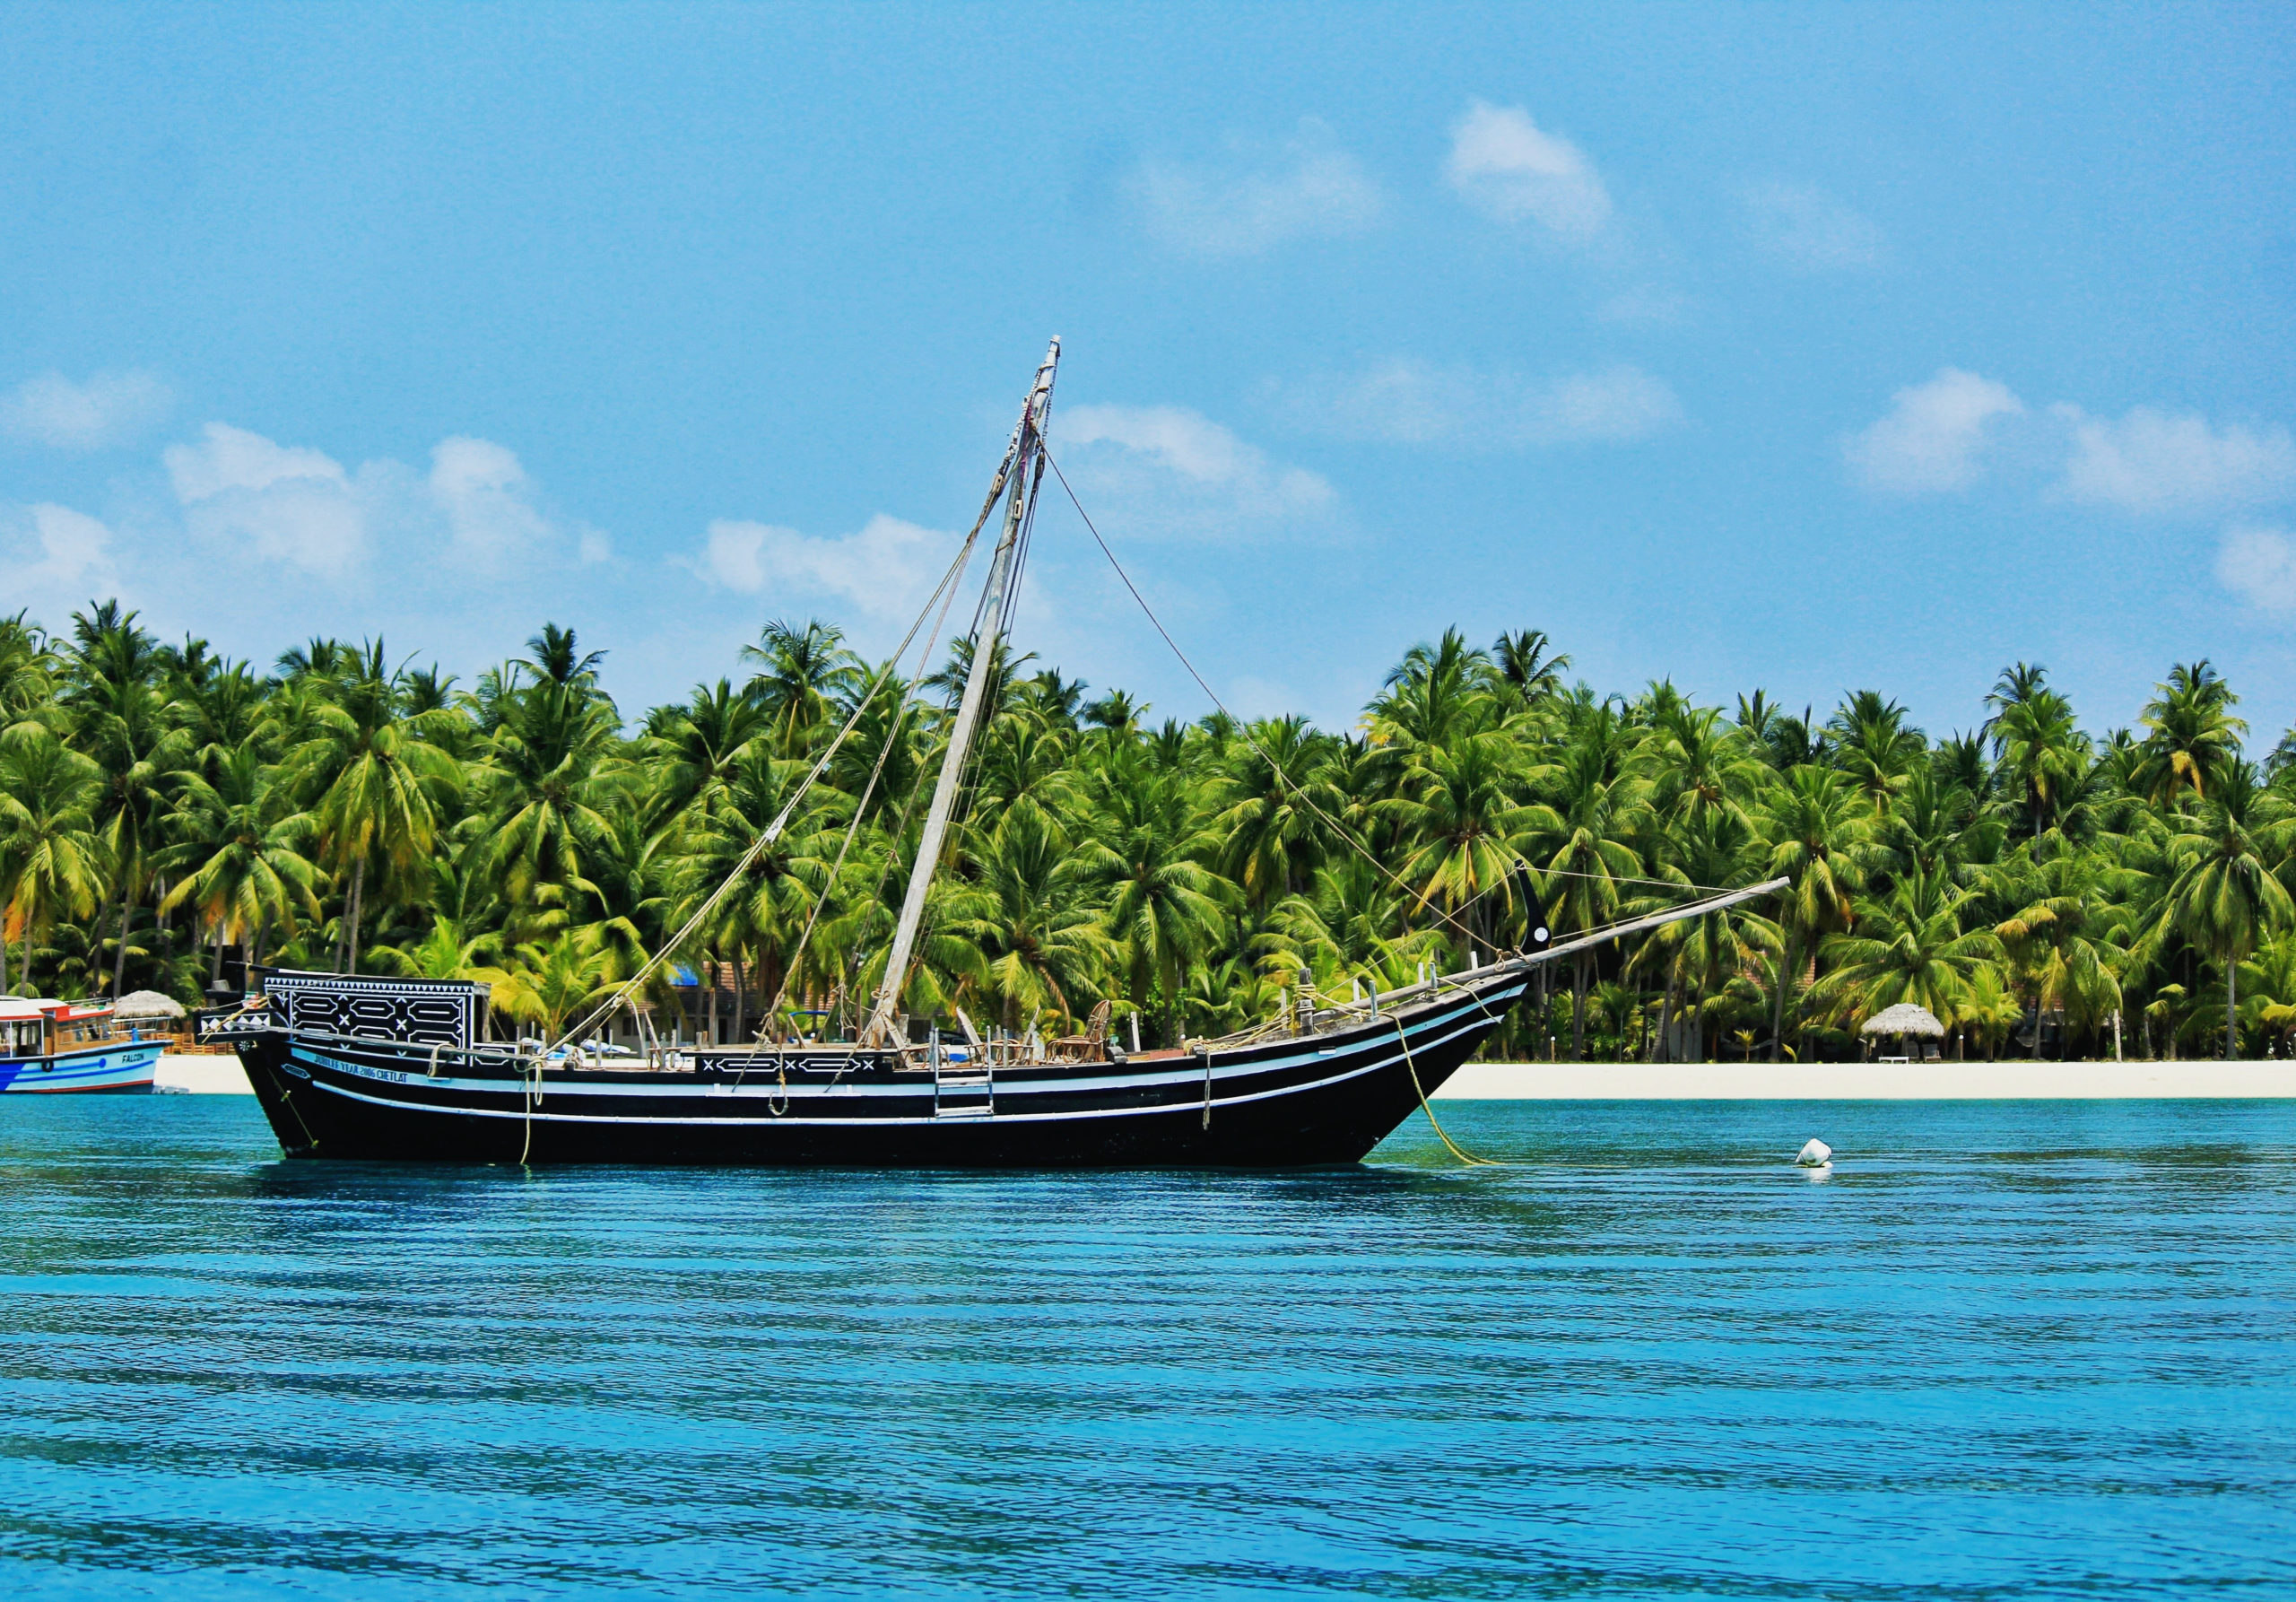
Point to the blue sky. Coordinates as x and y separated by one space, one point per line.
1795 347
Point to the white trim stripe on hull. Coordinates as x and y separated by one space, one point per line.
1426 1034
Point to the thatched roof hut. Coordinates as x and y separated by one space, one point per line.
140 1005
1905 1018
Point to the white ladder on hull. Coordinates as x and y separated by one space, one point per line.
963 1090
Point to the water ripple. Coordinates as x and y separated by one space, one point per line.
2011 1349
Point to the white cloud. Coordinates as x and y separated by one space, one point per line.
2151 461
886 569
1308 188
1504 164
1808 228
69 555
228 458
1170 472
487 501
475 511
1931 439
110 407
277 502
253 544
2259 564
1416 403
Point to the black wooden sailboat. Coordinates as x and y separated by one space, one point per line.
354 1067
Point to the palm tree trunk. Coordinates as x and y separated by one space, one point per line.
1665 1014
358 905
740 1000
119 961
2231 1008
215 963
1778 998
3 952
1578 1008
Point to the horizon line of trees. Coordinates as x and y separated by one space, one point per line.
2028 882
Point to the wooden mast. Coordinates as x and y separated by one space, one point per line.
1019 455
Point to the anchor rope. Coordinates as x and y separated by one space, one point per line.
1468 1157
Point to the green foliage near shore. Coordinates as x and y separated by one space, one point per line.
342 810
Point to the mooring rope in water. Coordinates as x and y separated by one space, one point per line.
529 1097
1468 1157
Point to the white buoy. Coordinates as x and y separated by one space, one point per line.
1816 1155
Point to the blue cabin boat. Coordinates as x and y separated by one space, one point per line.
54 1046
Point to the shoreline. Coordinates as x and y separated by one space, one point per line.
1717 1082
1870 1081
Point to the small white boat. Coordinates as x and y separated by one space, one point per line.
52 1046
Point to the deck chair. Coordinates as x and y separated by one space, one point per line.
1091 1046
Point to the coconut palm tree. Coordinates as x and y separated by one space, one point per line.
804 674
1022 758
1466 829
1116 714
692 754
2268 983
1043 946
371 782
2042 753
1988 1008
50 858
558 658
2227 893
2069 938
1528 667
240 848
1875 744
1592 805
1938 827
1821 841
547 983
1909 947
1352 926
1146 860
549 769
1700 772
1270 802
2191 737
143 763
1697 958
27 675
1057 701
774 892
1435 696
448 951
224 710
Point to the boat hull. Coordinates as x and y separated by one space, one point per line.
1320 1100
122 1069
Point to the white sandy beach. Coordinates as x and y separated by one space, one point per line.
1867 1082
1718 1081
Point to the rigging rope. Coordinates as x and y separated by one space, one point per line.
860 810
773 830
1244 730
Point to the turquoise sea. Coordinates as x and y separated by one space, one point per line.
2007 1349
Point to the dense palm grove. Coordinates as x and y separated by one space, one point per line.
2036 888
